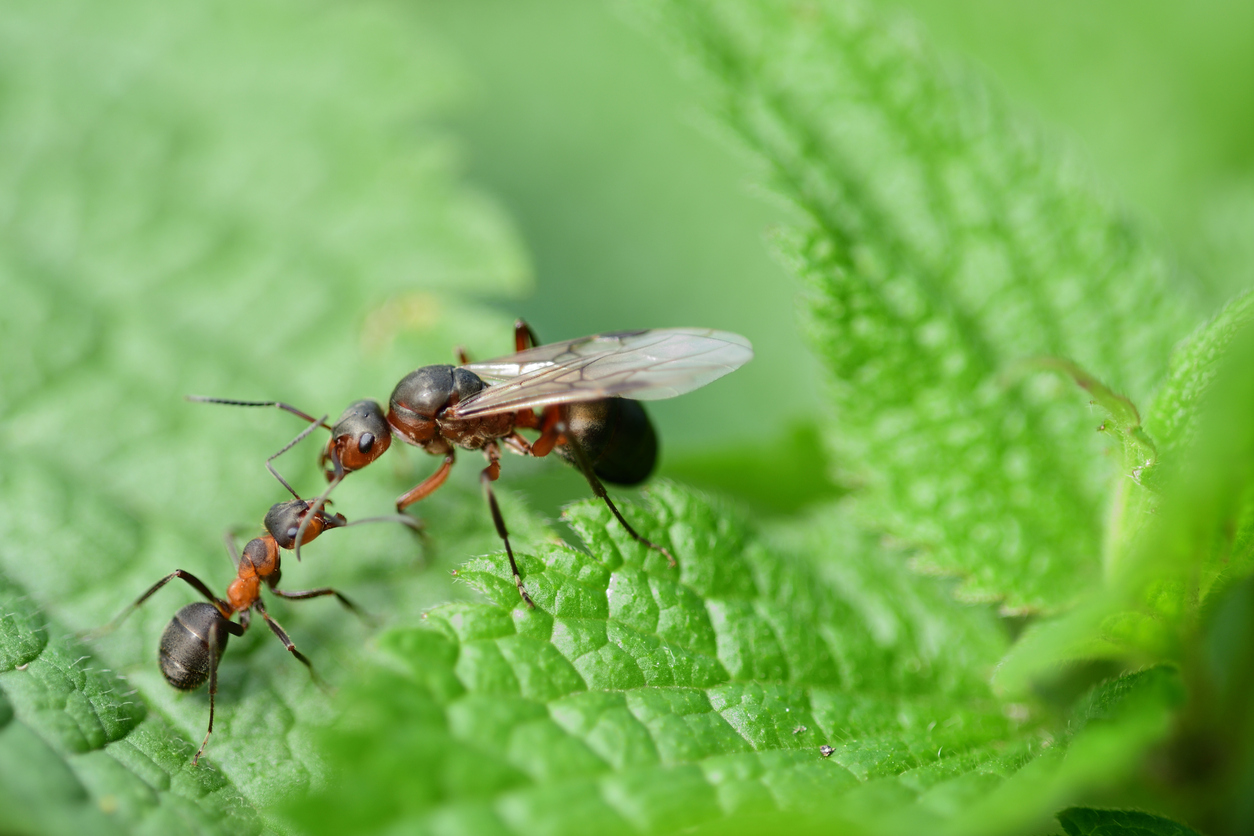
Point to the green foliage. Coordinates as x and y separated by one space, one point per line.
1194 539
944 242
644 697
1084 821
78 753
185 190
258 203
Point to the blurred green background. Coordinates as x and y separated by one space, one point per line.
637 213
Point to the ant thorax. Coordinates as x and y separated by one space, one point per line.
418 401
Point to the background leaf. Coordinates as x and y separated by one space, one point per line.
185 192
1083 821
944 242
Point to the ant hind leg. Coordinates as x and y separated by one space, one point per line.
585 467
214 655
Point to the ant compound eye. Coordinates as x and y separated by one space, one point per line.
292 532
365 443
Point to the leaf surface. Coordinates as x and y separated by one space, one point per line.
207 198
1086 821
647 698
946 242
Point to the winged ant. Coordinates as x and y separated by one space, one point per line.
581 396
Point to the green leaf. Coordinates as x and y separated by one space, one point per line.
1085 821
254 202
651 699
79 752
645 697
945 241
245 202
1173 416
1197 536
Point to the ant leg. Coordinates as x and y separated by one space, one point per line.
305 594
191 580
517 444
426 487
278 631
462 357
551 428
524 337
486 478
585 467
214 644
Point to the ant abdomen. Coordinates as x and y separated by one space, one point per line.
617 437
184 654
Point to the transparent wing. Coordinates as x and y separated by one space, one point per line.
642 365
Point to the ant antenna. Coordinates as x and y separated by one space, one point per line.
313 424
406 520
317 505
297 440
286 407
321 501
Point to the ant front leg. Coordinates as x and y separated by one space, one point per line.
427 486
489 475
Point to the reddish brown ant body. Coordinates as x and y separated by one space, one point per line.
581 396
195 639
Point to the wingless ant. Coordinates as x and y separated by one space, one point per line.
195 639
581 396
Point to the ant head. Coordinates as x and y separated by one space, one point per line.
359 437
284 518
185 655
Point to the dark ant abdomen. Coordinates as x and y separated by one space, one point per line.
617 437
184 652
